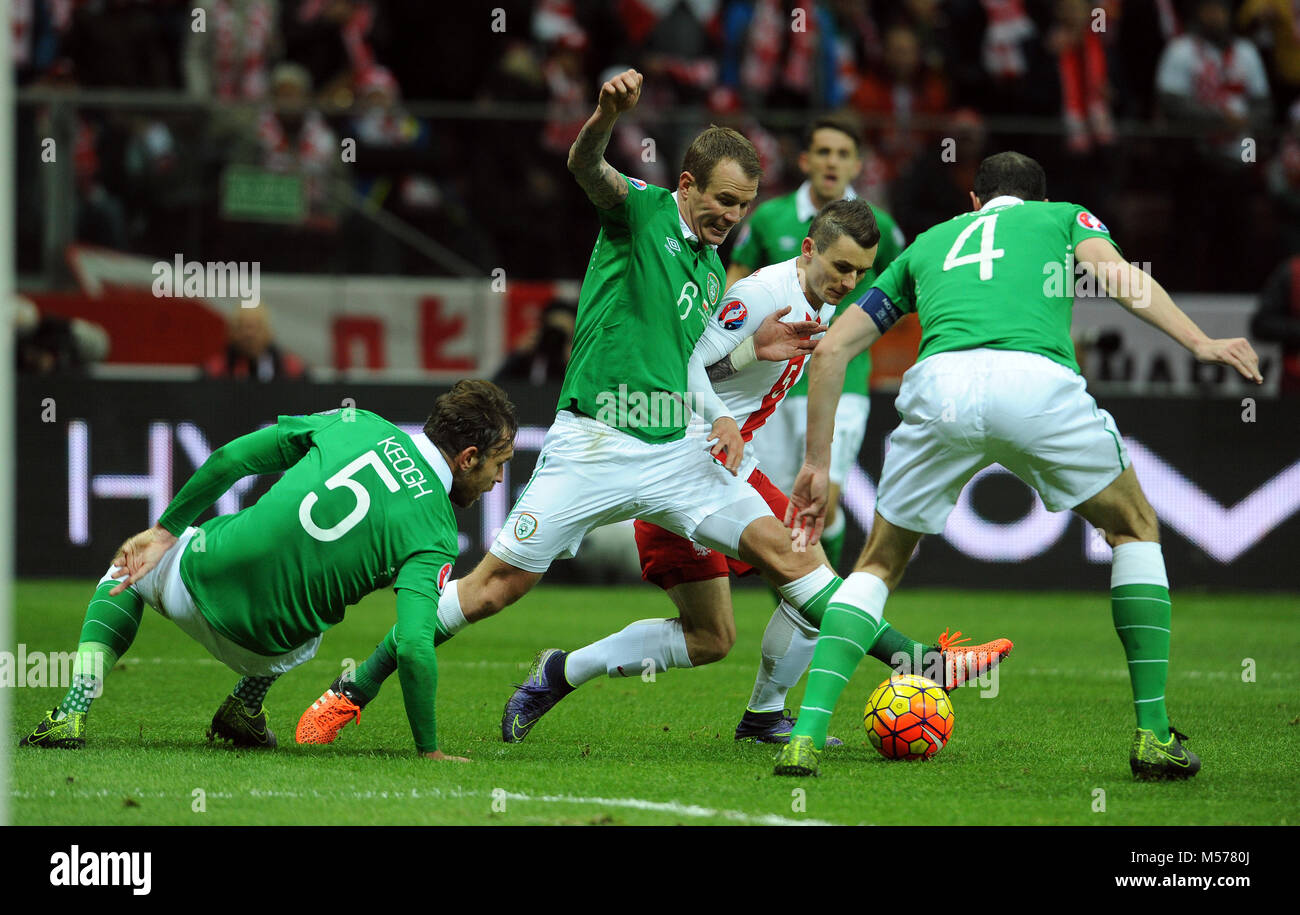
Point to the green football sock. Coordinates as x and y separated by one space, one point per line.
848 631
1142 614
107 632
382 663
377 668
891 645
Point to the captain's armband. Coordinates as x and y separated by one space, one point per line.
881 310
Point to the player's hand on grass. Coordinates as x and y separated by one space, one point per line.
806 513
438 754
1233 351
727 434
620 94
777 341
136 557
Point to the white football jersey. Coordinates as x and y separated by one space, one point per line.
752 394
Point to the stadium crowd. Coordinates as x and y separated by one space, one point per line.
1154 112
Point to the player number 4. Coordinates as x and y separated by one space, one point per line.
345 478
987 253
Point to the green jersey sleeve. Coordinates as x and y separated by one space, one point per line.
425 573
417 665
897 283
1084 225
637 208
267 450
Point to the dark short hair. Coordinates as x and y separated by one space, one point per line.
715 144
853 218
474 413
842 123
1010 173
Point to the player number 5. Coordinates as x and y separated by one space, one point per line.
345 478
987 253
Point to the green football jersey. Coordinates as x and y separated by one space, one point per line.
1001 277
775 233
647 295
359 508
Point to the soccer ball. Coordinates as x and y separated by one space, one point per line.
908 717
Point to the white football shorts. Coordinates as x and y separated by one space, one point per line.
589 474
962 411
781 441
164 590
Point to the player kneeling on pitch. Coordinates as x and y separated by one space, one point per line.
361 506
996 382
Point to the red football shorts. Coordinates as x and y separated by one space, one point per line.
668 560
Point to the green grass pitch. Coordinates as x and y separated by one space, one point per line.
633 752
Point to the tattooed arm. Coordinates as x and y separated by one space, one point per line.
604 186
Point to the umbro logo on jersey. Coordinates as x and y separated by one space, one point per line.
672 245
1088 221
787 242
733 315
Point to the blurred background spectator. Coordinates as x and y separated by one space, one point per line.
251 354
49 344
544 355
1277 319
408 147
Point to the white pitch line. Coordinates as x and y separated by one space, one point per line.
670 807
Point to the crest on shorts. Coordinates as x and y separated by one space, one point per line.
444 575
1088 221
525 526
733 315
714 288
636 183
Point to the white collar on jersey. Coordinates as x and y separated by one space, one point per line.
803 205
1006 200
429 451
686 230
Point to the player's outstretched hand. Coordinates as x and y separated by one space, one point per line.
729 443
438 754
620 93
135 558
1234 351
777 341
806 513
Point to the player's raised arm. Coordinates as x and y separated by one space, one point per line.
603 184
1139 293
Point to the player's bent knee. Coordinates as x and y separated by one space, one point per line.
708 647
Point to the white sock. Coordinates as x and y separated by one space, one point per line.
788 644
449 612
865 591
1138 563
802 590
630 652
